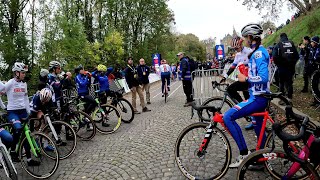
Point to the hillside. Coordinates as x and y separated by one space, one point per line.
296 30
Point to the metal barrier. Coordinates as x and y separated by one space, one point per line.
202 86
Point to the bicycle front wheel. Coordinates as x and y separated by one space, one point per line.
8 165
126 110
276 163
48 159
212 163
218 102
107 119
82 124
315 84
67 138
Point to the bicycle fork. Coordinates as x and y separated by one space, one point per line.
206 140
55 135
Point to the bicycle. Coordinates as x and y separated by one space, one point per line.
290 162
33 143
219 103
102 116
6 161
200 149
124 106
62 132
81 122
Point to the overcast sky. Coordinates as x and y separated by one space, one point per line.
215 18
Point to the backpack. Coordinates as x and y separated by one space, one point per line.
193 65
286 53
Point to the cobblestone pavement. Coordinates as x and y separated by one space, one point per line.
143 149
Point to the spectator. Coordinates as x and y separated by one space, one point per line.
314 57
285 56
68 83
43 78
178 71
307 70
134 85
300 63
186 78
174 72
143 74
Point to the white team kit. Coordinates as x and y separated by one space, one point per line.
17 95
242 57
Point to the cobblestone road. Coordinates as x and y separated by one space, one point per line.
143 149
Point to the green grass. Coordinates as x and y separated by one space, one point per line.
307 25
302 101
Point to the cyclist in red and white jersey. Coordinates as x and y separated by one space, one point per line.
240 59
18 107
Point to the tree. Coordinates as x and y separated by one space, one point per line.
273 7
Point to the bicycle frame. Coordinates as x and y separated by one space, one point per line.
32 142
218 118
2 161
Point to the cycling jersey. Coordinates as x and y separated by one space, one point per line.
54 81
241 57
83 83
17 95
258 80
102 79
165 68
259 65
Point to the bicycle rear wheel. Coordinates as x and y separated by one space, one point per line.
212 163
315 85
49 159
274 165
8 165
67 138
82 124
126 110
107 119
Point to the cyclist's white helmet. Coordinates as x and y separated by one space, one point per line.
44 72
54 64
253 29
45 95
20 67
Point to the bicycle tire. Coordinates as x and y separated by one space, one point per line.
294 127
225 145
315 85
123 109
212 99
83 121
41 148
72 134
8 164
271 155
99 119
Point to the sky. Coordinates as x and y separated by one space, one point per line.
215 18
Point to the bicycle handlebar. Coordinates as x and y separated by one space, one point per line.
217 85
211 109
286 138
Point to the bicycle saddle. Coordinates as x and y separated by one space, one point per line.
271 95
